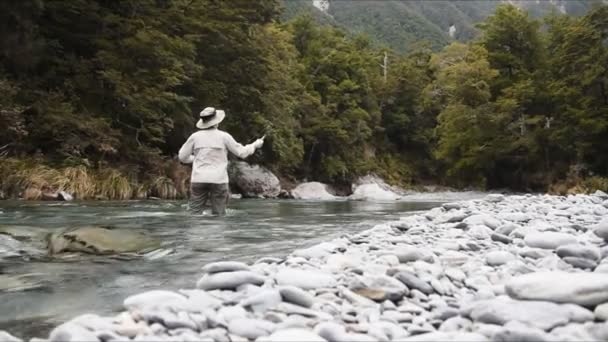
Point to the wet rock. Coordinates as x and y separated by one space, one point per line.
253 180
586 289
229 280
307 280
549 240
225 266
100 241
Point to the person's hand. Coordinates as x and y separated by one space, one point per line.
259 143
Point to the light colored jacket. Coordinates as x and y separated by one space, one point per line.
208 151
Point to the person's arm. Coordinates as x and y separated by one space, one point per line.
185 154
240 150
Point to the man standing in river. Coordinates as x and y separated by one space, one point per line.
208 150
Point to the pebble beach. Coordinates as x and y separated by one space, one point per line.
501 268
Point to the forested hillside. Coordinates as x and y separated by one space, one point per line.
98 96
400 24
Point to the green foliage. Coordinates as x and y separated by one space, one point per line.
97 96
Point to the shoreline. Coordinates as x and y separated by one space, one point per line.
468 270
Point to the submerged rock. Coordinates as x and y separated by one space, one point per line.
100 241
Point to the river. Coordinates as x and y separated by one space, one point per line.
67 287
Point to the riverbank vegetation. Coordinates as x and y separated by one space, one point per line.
98 96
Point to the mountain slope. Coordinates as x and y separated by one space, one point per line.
398 24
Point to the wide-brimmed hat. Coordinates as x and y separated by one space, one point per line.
210 117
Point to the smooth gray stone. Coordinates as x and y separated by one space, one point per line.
413 282
586 289
543 315
225 266
200 300
581 263
229 280
391 288
516 331
250 328
501 238
498 258
482 219
534 253
297 296
446 313
6 337
579 251
455 274
506 229
407 254
549 240
601 312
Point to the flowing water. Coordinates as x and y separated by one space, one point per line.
68 286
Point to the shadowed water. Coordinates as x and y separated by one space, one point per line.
98 284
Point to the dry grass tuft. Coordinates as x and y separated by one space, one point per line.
163 187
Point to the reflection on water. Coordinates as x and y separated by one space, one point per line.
253 228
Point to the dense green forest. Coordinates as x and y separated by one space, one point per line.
400 24
98 96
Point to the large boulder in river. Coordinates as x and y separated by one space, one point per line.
312 191
373 192
254 180
374 188
100 241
